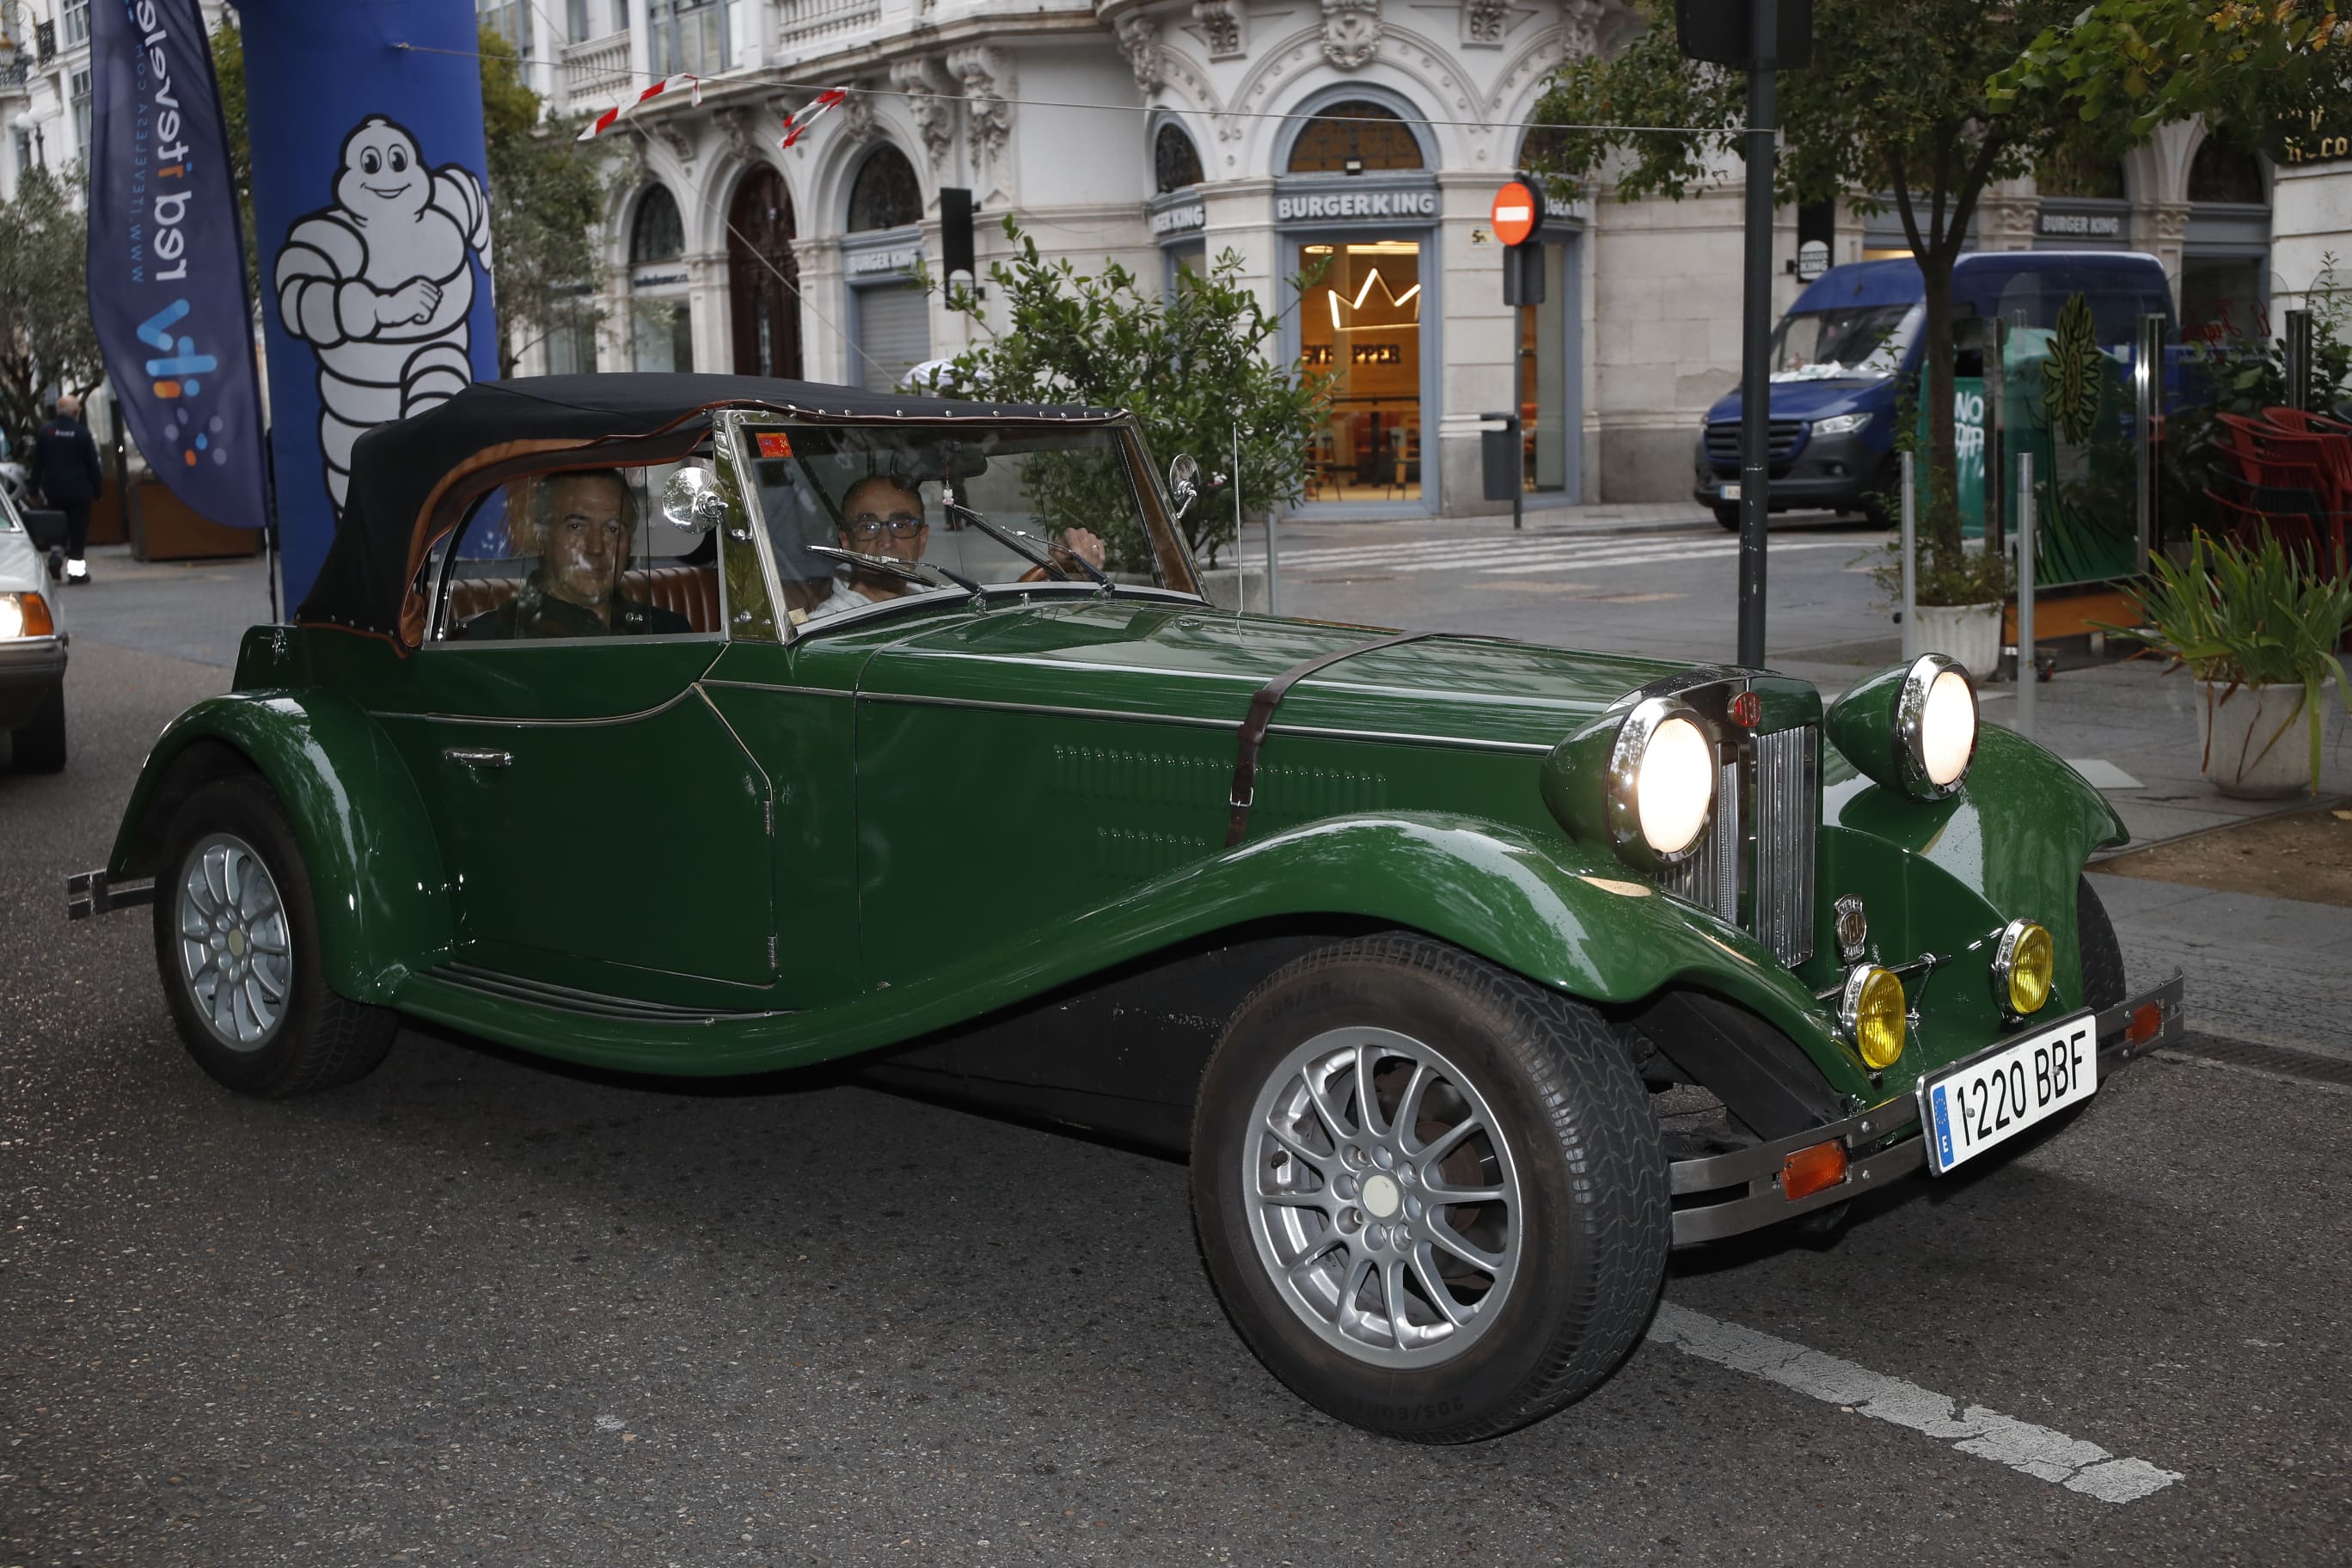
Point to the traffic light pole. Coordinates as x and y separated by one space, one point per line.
1756 335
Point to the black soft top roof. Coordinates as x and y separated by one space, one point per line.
399 469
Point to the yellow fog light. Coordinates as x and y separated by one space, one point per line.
2021 967
1871 1009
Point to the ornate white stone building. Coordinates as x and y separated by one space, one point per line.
1367 137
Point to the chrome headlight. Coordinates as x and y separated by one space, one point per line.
1912 728
1840 424
1661 783
1935 724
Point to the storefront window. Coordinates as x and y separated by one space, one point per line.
2222 172
1175 161
1354 137
1543 379
1361 325
886 193
661 325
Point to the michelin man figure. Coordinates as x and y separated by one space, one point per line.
380 286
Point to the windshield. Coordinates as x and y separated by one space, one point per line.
1853 342
1068 497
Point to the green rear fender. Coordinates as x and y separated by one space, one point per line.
376 876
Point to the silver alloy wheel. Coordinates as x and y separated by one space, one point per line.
1383 1199
237 957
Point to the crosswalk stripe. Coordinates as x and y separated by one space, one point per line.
1577 562
1470 554
1404 547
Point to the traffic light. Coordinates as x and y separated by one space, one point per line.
1721 31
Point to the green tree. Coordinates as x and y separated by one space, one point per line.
547 206
46 341
2270 69
1195 367
1895 111
547 195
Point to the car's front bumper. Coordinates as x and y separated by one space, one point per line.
30 668
1830 473
1740 1191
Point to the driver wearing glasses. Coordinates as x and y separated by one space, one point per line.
883 515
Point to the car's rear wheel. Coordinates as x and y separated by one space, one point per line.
1431 1193
236 943
39 746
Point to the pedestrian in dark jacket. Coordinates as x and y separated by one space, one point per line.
65 471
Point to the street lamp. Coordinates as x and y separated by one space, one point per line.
25 123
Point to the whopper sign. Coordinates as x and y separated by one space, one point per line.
167 260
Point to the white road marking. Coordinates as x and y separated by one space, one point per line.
1524 558
2036 1451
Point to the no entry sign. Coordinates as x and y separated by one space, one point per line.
1515 213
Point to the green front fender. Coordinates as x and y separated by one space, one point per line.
376 876
1550 911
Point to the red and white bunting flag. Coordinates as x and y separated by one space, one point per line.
610 117
798 121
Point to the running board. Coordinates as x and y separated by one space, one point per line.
588 1004
92 893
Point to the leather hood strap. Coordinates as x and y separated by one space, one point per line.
1261 717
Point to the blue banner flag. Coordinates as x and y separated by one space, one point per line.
371 214
167 261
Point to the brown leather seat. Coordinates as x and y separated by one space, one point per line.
690 590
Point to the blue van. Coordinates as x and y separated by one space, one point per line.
1840 355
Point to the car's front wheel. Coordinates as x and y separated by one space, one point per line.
237 941
1430 1192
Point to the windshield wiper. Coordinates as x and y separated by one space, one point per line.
1012 539
912 571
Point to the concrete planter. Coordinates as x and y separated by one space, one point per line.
1969 633
1236 588
2255 741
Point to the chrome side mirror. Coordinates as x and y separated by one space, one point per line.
1183 483
693 501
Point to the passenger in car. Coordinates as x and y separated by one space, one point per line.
582 525
882 514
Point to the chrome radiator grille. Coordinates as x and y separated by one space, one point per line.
1780 789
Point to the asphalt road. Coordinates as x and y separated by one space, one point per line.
476 1311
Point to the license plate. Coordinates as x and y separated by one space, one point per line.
1997 1094
1728 491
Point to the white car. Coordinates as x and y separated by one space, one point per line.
32 651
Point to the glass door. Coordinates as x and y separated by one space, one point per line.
1360 323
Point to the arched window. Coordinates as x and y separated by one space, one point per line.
1543 149
2223 172
886 193
1175 161
1354 136
657 234
2069 174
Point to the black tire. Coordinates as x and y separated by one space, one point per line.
2103 956
1727 514
317 1039
39 747
1577 1136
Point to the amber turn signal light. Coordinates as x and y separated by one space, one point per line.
1814 1170
2145 1023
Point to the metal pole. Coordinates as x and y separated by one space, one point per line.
2148 409
1755 333
2298 359
1910 564
2029 674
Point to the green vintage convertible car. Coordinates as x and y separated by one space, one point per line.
689 724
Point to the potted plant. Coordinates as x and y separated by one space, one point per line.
2257 628
1957 600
